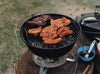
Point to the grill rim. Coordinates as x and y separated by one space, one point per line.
72 20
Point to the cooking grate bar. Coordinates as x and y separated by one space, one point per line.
75 31
36 41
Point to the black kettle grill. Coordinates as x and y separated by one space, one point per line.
90 22
36 45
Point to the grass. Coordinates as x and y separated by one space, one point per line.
88 3
10 13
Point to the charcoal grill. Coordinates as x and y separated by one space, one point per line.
36 45
90 22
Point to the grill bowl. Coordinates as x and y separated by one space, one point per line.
36 45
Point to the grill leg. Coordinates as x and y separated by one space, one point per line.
71 60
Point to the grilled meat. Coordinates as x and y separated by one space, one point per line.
40 21
67 32
53 41
35 31
50 37
62 22
62 29
48 31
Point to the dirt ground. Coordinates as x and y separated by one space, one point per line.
72 10
62 8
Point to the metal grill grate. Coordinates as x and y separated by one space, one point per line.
36 41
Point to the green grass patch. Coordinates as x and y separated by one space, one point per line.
88 3
12 11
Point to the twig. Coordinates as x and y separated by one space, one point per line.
75 68
91 69
86 69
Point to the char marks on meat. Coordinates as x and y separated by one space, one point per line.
39 21
53 33
53 41
35 31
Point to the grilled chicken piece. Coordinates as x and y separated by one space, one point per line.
53 41
35 31
40 21
48 31
50 37
62 22
62 29
50 34
67 32
66 21
45 34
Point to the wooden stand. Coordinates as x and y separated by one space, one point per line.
26 65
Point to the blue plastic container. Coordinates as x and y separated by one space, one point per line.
86 48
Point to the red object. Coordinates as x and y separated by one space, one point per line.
98 48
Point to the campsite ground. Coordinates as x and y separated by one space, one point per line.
11 11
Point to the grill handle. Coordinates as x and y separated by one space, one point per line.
87 15
97 6
92 14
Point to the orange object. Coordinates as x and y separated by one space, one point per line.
53 41
98 48
52 60
50 34
67 32
50 37
63 31
61 22
35 31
